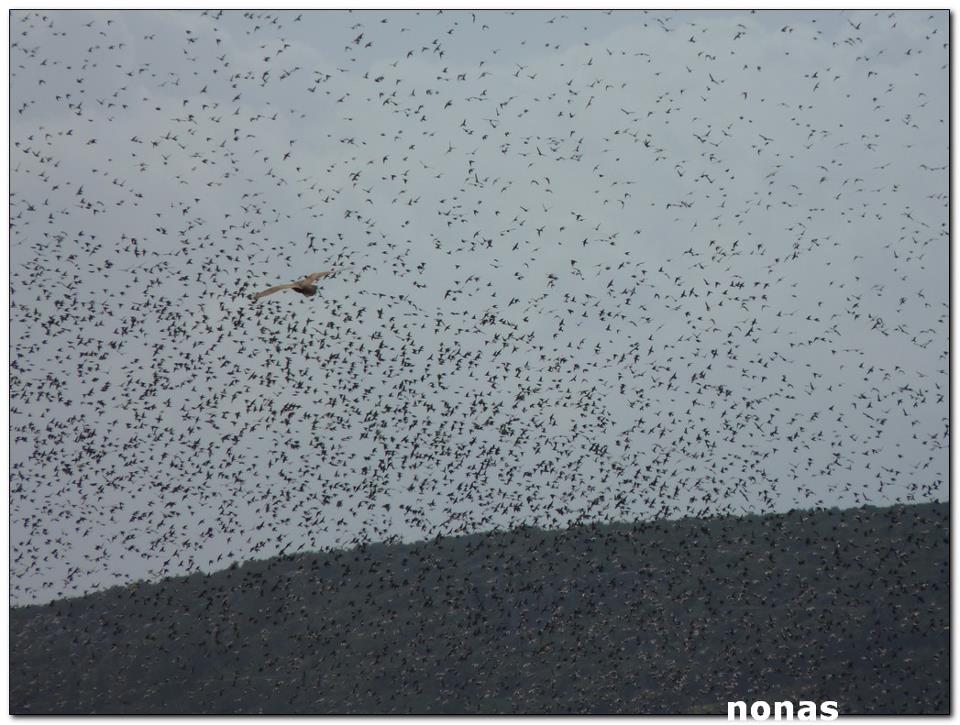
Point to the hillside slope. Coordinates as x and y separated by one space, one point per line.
667 617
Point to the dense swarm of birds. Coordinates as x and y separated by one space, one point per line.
594 267
660 617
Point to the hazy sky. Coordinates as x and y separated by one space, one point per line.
598 266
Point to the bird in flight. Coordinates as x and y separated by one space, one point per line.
305 286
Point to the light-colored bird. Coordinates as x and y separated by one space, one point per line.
305 286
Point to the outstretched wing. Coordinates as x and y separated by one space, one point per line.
300 283
273 289
311 278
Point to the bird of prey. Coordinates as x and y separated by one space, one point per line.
305 286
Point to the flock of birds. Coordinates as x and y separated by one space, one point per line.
655 618
580 267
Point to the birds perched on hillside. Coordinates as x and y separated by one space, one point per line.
305 286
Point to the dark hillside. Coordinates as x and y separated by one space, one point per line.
668 617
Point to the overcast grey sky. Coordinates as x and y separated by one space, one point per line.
599 266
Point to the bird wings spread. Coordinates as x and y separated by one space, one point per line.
308 280
311 278
275 288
